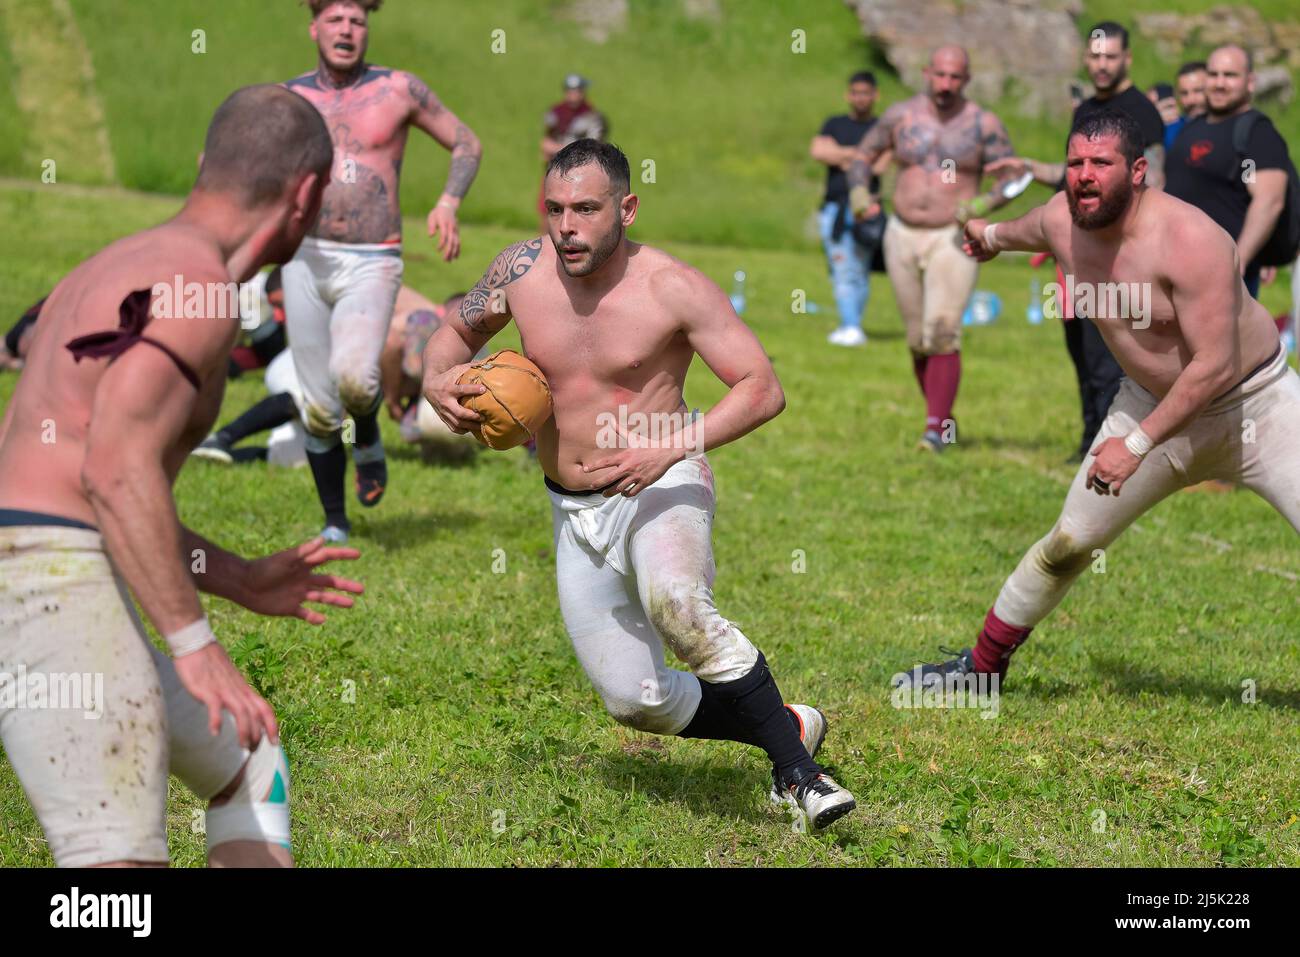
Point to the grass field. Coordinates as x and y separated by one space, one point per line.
474 738
724 109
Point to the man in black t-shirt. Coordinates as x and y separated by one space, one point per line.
848 259
1244 193
1107 58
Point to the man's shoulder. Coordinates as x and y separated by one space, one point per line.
1183 225
670 279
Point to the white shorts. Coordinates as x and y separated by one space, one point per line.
287 444
95 772
635 574
338 300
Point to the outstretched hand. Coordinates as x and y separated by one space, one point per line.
281 584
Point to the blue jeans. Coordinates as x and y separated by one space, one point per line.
849 264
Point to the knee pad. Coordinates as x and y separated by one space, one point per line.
320 444
259 808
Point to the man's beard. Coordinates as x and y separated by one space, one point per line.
1116 79
1108 210
1229 108
599 254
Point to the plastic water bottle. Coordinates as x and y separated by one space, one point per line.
1035 311
1288 340
738 293
982 310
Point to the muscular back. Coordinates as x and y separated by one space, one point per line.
49 420
1161 289
368 122
940 162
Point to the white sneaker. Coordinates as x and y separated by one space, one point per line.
335 535
821 800
847 336
812 727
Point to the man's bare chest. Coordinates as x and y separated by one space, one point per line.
924 142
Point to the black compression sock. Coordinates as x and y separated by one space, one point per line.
367 429
327 469
750 710
273 411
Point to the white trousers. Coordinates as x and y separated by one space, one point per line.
1250 436
635 574
338 301
95 772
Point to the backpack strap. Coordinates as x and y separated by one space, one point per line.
1242 127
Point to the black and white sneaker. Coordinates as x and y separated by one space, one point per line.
214 449
821 800
961 663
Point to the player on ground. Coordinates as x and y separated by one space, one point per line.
340 289
942 143
88 454
1208 393
614 325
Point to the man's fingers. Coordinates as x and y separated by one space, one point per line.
341 584
333 553
330 598
214 715
309 615
306 548
267 714
602 464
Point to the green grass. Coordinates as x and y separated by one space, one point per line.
724 110
471 711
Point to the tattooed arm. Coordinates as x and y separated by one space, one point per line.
995 146
879 139
484 312
429 115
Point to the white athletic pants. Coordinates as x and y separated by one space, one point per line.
338 301
635 574
1250 436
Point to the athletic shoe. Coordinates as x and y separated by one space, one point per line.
335 535
931 441
372 477
812 726
214 450
817 795
962 663
812 732
847 336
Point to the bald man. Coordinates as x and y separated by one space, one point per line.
1205 167
121 382
942 143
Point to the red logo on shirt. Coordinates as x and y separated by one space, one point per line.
1200 149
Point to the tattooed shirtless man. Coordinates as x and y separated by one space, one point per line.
340 289
614 325
942 143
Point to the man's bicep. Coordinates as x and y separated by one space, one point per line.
1205 290
485 310
995 142
720 338
1268 184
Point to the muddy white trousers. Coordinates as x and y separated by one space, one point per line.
635 574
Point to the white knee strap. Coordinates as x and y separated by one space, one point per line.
259 808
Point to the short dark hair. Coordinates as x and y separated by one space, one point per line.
863 76
1110 29
1195 66
318 6
1104 121
260 140
606 155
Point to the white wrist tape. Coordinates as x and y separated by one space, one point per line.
991 238
191 638
1139 443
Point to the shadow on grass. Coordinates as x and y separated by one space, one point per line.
408 452
1131 680
396 531
706 787
1055 451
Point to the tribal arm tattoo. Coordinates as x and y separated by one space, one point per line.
878 139
485 309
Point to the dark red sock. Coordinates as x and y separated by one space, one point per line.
996 643
918 368
942 375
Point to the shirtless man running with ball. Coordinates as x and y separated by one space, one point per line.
614 325
1207 392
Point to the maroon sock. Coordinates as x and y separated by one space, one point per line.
942 375
918 368
996 643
